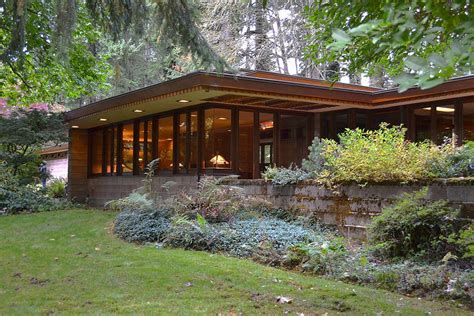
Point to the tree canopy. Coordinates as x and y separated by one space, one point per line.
421 42
48 49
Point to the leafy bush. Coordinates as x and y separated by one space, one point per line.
141 227
240 238
56 188
284 176
315 162
376 156
17 198
452 161
214 200
415 227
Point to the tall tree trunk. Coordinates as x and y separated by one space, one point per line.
262 54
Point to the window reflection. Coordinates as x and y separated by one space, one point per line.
468 117
293 139
165 143
182 130
245 144
217 139
96 154
194 141
127 148
141 147
266 140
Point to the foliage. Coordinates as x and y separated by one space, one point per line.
24 132
465 241
452 161
16 198
423 42
51 51
56 188
240 238
284 176
140 227
214 200
415 227
315 161
376 156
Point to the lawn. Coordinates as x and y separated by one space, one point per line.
69 262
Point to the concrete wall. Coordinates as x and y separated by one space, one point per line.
103 189
351 207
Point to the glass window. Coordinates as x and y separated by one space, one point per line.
392 117
97 139
468 118
194 141
182 130
361 120
141 147
110 148
445 122
217 139
266 140
127 148
165 143
422 124
293 139
340 123
245 144
149 142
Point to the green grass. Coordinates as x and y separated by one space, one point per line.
68 262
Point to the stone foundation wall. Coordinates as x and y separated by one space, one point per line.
104 189
351 207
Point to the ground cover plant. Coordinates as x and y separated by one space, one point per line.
374 156
68 262
416 247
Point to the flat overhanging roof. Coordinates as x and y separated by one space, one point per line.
258 89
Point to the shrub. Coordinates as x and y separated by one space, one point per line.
451 161
315 162
284 176
56 188
141 227
240 238
415 227
17 198
376 156
214 200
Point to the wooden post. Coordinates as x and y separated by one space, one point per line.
175 143
351 119
188 142
256 145
136 147
200 142
119 149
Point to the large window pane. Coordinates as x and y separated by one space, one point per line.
127 148
422 124
96 153
165 143
445 122
141 147
390 116
194 141
110 150
182 141
340 123
149 142
468 116
245 144
293 139
266 140
217 139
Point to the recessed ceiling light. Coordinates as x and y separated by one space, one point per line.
138 111
169 139
222 118
103 119
184 101
441 109
75 126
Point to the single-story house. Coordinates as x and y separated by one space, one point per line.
218 124
56 158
